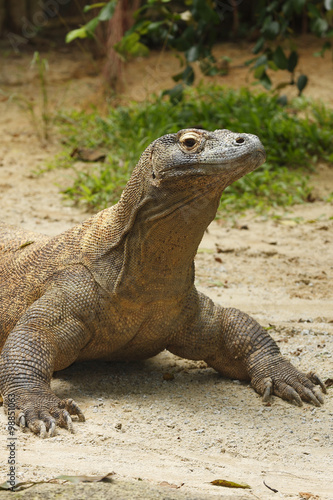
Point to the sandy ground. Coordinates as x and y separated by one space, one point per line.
170 438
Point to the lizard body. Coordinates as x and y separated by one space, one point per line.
120 286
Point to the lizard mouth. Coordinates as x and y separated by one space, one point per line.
262 152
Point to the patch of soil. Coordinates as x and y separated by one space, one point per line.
177 435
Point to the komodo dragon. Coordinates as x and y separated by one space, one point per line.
120 286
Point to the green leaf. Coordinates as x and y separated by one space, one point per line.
107 11
78 33
152 26
313 10
272 65
258 72
261 61
193 53
292 61
282 85
87 8
271 30
320 53
302 83
282 100
188 75
293 6
319 26
299 5
288 8
202 11
129 46
279 58
91 26
178 77
259 45
272 6
175 94
265 81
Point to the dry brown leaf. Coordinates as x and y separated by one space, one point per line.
72 479
89 155
308 496
170 485
229 484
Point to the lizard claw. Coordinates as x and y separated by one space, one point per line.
69 424
72 408
284 380
42 413
268 389
62 414
287 392
65 420
52 428
317 381
20 419
38 427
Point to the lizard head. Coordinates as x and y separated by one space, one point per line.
186 173
222 156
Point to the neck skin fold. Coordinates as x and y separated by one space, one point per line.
161 246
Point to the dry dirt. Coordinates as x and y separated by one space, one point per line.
170 438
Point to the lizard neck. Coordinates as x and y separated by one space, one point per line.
159 250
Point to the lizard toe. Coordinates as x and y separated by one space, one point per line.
73 408
311 396
63 419
317 381
285 391
51 431
38 427
282 379
43 413
20 419
297 390
267 389
41 423
69 423
306 388
66 421
318 395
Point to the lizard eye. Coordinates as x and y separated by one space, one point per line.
189 140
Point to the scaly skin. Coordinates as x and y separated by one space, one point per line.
120 286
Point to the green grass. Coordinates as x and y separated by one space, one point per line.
295 137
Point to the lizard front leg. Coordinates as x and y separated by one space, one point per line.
48 337
236 346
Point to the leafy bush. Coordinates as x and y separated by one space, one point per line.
192 28
294 137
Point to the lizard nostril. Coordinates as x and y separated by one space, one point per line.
240 140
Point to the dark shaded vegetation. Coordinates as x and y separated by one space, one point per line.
295 137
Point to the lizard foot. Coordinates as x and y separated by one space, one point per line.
281 378
43 411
